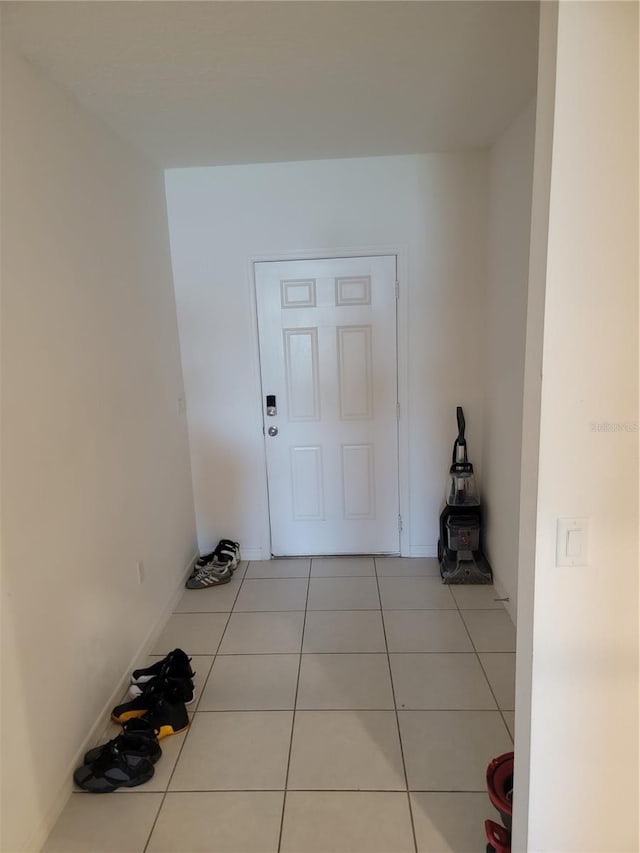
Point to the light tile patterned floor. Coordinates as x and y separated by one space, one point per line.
342 706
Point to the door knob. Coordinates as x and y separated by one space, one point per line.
272 431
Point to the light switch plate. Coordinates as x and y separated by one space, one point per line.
572 542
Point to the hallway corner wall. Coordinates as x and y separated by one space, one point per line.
95 462
505 321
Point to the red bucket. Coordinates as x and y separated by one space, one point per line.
498 837
500 785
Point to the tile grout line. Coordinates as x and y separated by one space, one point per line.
452 609
470 651
477 653
342 710
297 791
224 630
293 716
304 790
195 711
395 706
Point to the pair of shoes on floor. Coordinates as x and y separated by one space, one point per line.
176 665
216 568
124 762
160 693
161 704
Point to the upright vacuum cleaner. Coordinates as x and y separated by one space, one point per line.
460 544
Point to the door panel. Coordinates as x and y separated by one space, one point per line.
357 481
327 332
307 483
355 373
301 368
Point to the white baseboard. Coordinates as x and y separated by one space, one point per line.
423 551
416 551
41 833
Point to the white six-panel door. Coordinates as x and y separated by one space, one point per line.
327 331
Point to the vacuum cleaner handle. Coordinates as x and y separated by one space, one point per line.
460 441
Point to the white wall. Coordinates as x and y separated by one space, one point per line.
531 413
583 777
95 460
432 207
505 320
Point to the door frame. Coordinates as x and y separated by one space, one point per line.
402 346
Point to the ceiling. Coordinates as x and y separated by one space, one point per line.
211 83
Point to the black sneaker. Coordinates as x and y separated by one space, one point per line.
138 738
113 769
168 716
226 555
175 665
175 689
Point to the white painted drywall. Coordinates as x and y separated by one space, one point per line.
531 414
583 783
510 182
432 207
95 461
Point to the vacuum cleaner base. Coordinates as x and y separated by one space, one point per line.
456 569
